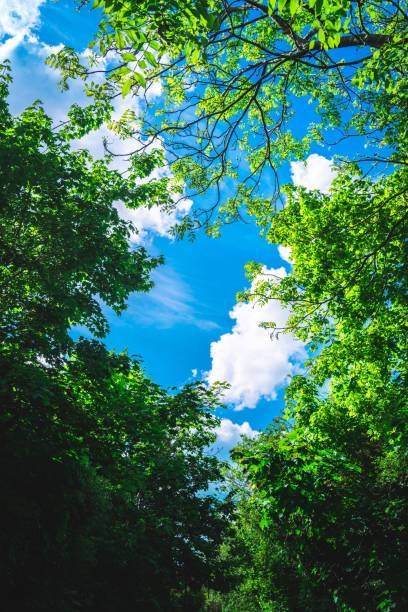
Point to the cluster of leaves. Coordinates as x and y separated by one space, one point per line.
264 574
334 484
62 240
103 473
234 75
330 505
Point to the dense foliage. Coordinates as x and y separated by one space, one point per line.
337 481
328 486
62 240
321 496
103 473
237 75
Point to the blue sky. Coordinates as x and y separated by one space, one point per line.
190 326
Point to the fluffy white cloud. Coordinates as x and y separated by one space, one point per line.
229 433
284 253
17 20
153 220
317 173
254 365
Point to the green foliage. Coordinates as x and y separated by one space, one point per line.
104 474
347 293
323 525
236 74
330 506
264 574
334 485
62 240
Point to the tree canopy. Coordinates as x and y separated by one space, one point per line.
320 497
235 76
328 484
105 475
334 481
63 242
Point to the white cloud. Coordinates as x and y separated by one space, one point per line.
254 365
318 173
229 433
43 50
169 303
284 253
17 20
194 372
152 220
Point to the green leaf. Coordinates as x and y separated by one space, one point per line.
294 5
120 43
129 57
264 523
126 87
271 6
137 76
195 56
188 50
123 70
150 58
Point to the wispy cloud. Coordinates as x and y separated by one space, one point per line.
169 303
